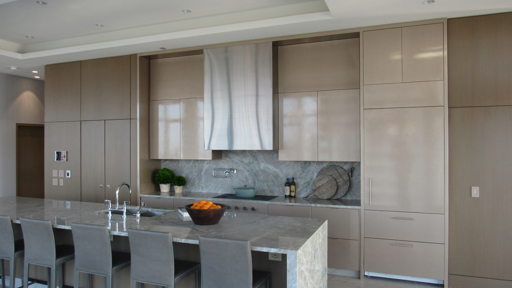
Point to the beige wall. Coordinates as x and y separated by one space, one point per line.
21 101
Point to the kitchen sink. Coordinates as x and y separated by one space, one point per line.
143 213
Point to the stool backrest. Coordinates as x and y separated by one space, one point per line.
6 237
93 250
152 257
39 242
225 263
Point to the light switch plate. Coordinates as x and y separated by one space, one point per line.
55 173
61 173
274 256
475 191
68 173
61 182
55 182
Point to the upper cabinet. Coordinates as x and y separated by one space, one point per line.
317 66
177 109
62 92
408 54
177 77
106 88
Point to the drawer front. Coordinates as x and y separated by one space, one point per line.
404 226
343 223
288 210
423 260
343 254
414 94
182 202
244 207
158 202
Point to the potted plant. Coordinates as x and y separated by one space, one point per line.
164 177
178 182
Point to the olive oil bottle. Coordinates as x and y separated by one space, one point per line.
292 188
287 188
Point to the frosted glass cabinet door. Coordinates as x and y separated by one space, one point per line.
192 130
165 129
298 126
404 159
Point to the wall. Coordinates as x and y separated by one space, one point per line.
260 169
21 101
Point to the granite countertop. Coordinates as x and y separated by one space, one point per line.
266 233
313 201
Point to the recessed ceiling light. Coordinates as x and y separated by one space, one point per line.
30 37
162 48
186 11
100 25
427 2
13 68
35 71
37 77
41 2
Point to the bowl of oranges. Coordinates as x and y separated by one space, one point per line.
205 212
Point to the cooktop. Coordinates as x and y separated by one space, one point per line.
256 197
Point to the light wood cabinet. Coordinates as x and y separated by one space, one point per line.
343 254
158 202
319 66
62 136
422 260
106 88
319 126
343 223
106 160
407 54
177 77
62 92
338 126
298 123
404 160
289 210
176 130
403 95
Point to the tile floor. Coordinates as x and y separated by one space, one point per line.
336 281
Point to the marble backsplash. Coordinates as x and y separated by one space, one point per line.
260 169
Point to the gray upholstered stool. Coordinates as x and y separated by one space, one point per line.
9 249
40 249
236 269
94 255
153 260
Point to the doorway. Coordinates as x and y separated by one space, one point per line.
30 160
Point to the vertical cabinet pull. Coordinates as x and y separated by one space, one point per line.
370 186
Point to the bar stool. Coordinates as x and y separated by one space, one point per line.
9 249
94 255
153 260
40 249
236 269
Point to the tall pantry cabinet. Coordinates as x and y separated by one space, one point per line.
404 151
88 113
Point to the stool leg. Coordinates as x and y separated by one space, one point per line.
197 277
109 281
25 275
77 279
3 273
54 277
133 283
12 272
22 262
89 280
60 274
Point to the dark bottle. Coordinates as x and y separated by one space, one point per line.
287 188
292 188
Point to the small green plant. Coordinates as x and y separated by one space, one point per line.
179 181
164 176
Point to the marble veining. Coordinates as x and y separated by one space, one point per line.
259 169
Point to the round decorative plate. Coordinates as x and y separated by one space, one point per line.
341 177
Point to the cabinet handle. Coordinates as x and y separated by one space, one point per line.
370 191
403 218
402 245
101 185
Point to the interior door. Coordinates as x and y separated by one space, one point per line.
93 161
30 160
404 159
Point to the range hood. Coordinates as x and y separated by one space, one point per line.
240 104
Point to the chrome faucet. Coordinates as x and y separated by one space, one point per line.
137 215
117 194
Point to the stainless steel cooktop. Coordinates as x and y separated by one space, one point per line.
256 197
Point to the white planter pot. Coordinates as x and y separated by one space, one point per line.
165 188
178 189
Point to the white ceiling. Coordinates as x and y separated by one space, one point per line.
65 30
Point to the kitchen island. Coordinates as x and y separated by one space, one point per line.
302 241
